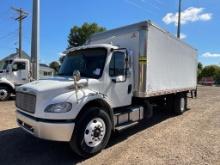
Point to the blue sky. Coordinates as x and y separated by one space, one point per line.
201 22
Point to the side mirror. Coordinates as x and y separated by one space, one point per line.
76 75
119 79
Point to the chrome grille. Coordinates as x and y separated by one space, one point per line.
26 102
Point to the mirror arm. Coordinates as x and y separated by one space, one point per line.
76 78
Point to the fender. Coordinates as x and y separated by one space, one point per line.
6 82
92 98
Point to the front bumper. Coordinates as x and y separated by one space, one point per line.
49 130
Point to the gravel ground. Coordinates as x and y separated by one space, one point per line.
193 138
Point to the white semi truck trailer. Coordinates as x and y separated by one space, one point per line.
109 84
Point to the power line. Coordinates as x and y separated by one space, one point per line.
159 4
5 17
4 14
134 4
8 34
153 5
10 43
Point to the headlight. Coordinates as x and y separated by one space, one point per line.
59 108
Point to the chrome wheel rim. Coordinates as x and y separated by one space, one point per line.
3 94
95 132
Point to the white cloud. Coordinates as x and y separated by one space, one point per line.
182 36
191 14
209 54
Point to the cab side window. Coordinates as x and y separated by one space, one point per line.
18 66
117 64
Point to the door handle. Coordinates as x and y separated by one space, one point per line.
129 88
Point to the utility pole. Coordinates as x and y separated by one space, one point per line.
22 15
35 46
179 19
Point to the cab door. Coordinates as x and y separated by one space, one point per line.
20 72
120 81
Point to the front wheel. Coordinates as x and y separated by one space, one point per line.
92 133
4 93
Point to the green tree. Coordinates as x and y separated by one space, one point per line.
1 65
209 71
200 66
217 75
79 35
199 70
55 65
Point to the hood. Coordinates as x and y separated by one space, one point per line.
55 85
57 90
48 84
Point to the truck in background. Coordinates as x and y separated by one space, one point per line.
14 73
108 85
17 72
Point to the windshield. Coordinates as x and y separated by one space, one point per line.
6 63
90 63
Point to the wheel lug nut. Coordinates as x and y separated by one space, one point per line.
87 132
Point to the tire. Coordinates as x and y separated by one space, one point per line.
5 93
180 104
92 132
170 104
148 110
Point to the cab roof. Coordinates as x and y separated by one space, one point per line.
107 46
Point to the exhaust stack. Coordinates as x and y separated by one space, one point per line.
35 47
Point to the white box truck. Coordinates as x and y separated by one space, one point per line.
109 84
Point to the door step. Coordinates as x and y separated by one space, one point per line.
127 115
125 126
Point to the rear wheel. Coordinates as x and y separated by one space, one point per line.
92 133
180 104
148 110
170 99
5 93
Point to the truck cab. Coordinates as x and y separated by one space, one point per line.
15 73
56 108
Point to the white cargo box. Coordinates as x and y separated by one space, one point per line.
162 63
